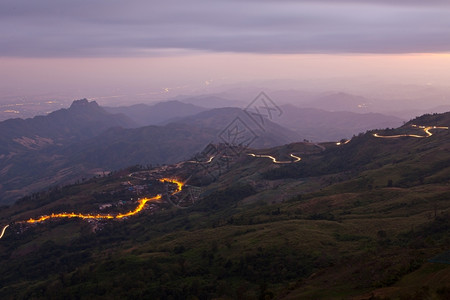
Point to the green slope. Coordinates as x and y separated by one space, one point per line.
358 221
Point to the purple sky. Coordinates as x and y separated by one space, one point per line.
63 28
75 44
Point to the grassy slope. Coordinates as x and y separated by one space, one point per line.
337 233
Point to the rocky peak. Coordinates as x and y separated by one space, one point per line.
84 104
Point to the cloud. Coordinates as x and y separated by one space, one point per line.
83 28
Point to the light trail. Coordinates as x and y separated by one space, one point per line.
275 161
139 208
426 129
201 162
68 215
340 143
3 231
398 136
177 182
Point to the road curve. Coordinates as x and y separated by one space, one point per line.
201 162
3 231
140 207
426 129
275 161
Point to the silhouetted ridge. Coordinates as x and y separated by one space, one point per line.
84 104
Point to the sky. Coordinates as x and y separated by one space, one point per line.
106 47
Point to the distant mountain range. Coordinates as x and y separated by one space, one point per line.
87 139
158 113
212 101
225 119
81 121
320 125
340 102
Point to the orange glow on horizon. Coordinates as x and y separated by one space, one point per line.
193 67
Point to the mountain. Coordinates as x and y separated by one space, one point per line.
118 147
211 101
321 125
158 113
229 120
368 219
82 120
29 148
340 102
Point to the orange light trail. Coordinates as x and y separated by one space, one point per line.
177 182
139 208
69 215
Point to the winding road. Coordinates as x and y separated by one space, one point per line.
201 162
139 208
275 161
144 201
426 129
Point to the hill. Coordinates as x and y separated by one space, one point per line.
82 120
211 101
228 119
359 220
321 125
118 148
158 113
29 171
340 102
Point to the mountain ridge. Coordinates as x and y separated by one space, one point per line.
44 161
322 125
357 220
158 113
83 119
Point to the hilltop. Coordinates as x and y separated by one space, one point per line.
359 220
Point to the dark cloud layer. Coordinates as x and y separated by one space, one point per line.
62 28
